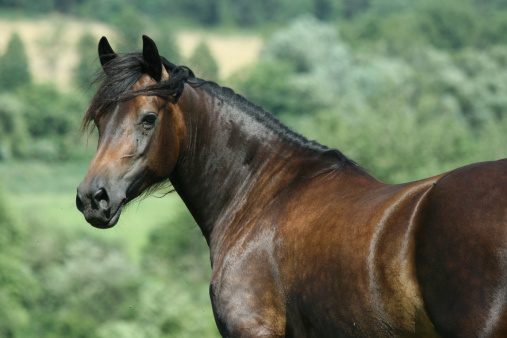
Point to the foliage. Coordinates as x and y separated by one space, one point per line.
37 120
405 105
40 122
168 47
51 118
92 283
14 137
448 24
72 284
288 79
100 9
204 12
179 246
129 24
83 73
10 234
203 63
273 85
19 287
14 69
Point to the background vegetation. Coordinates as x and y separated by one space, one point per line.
407 88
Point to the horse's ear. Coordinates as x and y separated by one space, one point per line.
106 53
151 59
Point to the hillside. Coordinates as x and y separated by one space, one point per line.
51 45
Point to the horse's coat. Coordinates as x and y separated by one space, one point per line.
303 242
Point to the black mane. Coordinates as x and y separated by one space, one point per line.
273 123
119 75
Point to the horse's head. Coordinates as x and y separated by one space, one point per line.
141 132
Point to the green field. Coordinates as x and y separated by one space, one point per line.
45 193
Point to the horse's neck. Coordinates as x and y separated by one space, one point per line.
229 158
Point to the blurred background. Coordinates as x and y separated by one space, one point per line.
406 88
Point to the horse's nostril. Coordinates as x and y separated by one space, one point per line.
101 198
79 203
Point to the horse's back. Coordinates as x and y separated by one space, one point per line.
461 251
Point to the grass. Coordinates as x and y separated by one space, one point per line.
45 193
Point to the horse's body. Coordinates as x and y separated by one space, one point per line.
303 242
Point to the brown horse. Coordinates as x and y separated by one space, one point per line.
303 241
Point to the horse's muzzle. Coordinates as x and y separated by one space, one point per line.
98 206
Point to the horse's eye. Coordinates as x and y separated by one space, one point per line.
148 120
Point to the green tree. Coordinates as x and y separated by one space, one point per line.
130 25
177 246
490 5
90 284
203 63
324 9
14 137
384 8
168 47
66 6
352 8
19 287
178 253
51 118
251 13
450 24
206 12
87 49
14 69
103 10
275 86
296 79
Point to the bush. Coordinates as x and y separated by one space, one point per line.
14 69
274 86
178 246
15 140
203 63
449 25
87 49
52 121
177 301
19 286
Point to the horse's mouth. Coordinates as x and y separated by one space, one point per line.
112 221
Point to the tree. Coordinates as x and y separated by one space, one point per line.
203 63
130 24
449 25
14 69
15 140
86 48
168 47
352 8
324 9
19 287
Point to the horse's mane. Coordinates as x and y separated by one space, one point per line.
120 74
267 119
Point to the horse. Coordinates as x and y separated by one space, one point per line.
303 241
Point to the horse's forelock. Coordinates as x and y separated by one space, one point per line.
116 78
